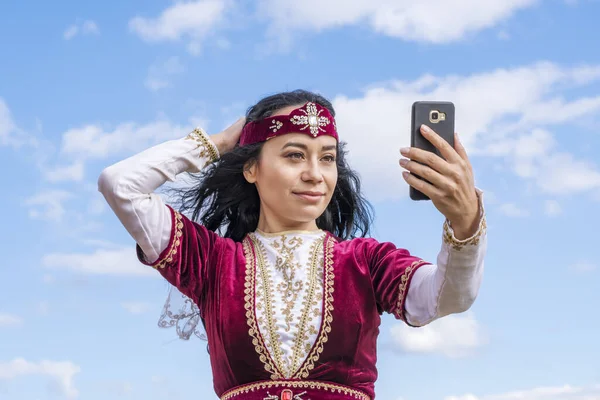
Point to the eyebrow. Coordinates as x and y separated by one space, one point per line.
305 147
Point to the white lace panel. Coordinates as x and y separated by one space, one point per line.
289 295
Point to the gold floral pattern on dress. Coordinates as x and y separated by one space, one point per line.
207 147
328 288
243 390
175 242
288 291
403 287
249 300
287 265
302 343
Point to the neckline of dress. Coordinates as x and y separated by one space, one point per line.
298 231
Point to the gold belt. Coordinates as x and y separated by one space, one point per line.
292 390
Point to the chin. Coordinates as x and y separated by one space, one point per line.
307 215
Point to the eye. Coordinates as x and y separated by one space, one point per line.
295 156
329 158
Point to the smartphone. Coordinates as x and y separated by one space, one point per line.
439 116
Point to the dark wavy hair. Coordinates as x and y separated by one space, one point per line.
223 201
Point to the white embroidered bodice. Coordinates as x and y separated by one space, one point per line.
289 294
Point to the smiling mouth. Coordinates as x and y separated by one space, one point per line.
310 196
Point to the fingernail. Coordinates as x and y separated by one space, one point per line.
425 128
405 174
403 161
404 151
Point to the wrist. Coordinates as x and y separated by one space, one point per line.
466 227
222 143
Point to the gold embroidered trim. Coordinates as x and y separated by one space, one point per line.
168 258
309 301
403 287
328 387
289 289
264 295
249 287
456 244
313 357
208 148
451 240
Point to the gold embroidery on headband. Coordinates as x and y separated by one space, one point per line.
312 120
276 125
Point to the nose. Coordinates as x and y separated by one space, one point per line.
312 172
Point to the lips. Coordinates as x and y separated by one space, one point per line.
310 196
310 193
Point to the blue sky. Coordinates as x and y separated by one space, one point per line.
85 85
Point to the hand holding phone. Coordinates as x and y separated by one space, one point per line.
438 169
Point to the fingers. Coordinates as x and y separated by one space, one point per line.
425 172
424 187
443 146
428 158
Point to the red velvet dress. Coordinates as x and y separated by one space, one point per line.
362 279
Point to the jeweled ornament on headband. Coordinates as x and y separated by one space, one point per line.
312 119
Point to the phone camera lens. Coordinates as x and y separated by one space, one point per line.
434 116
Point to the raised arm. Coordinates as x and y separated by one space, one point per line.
450 286
128 186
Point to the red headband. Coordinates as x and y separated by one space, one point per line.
312 119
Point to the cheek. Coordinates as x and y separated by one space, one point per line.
275 179
331 179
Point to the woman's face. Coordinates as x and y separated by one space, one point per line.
295 176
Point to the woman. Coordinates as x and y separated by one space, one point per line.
290 290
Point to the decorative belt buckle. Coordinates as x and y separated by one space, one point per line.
286 394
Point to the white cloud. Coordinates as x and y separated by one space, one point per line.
453 336
512 210
61 373
87 27
10 133
192 21
499 114
93 142
72 172
7 125
159 74
565 392
136 307
9 320
120 262
48 205
552 208
583 267
422 21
